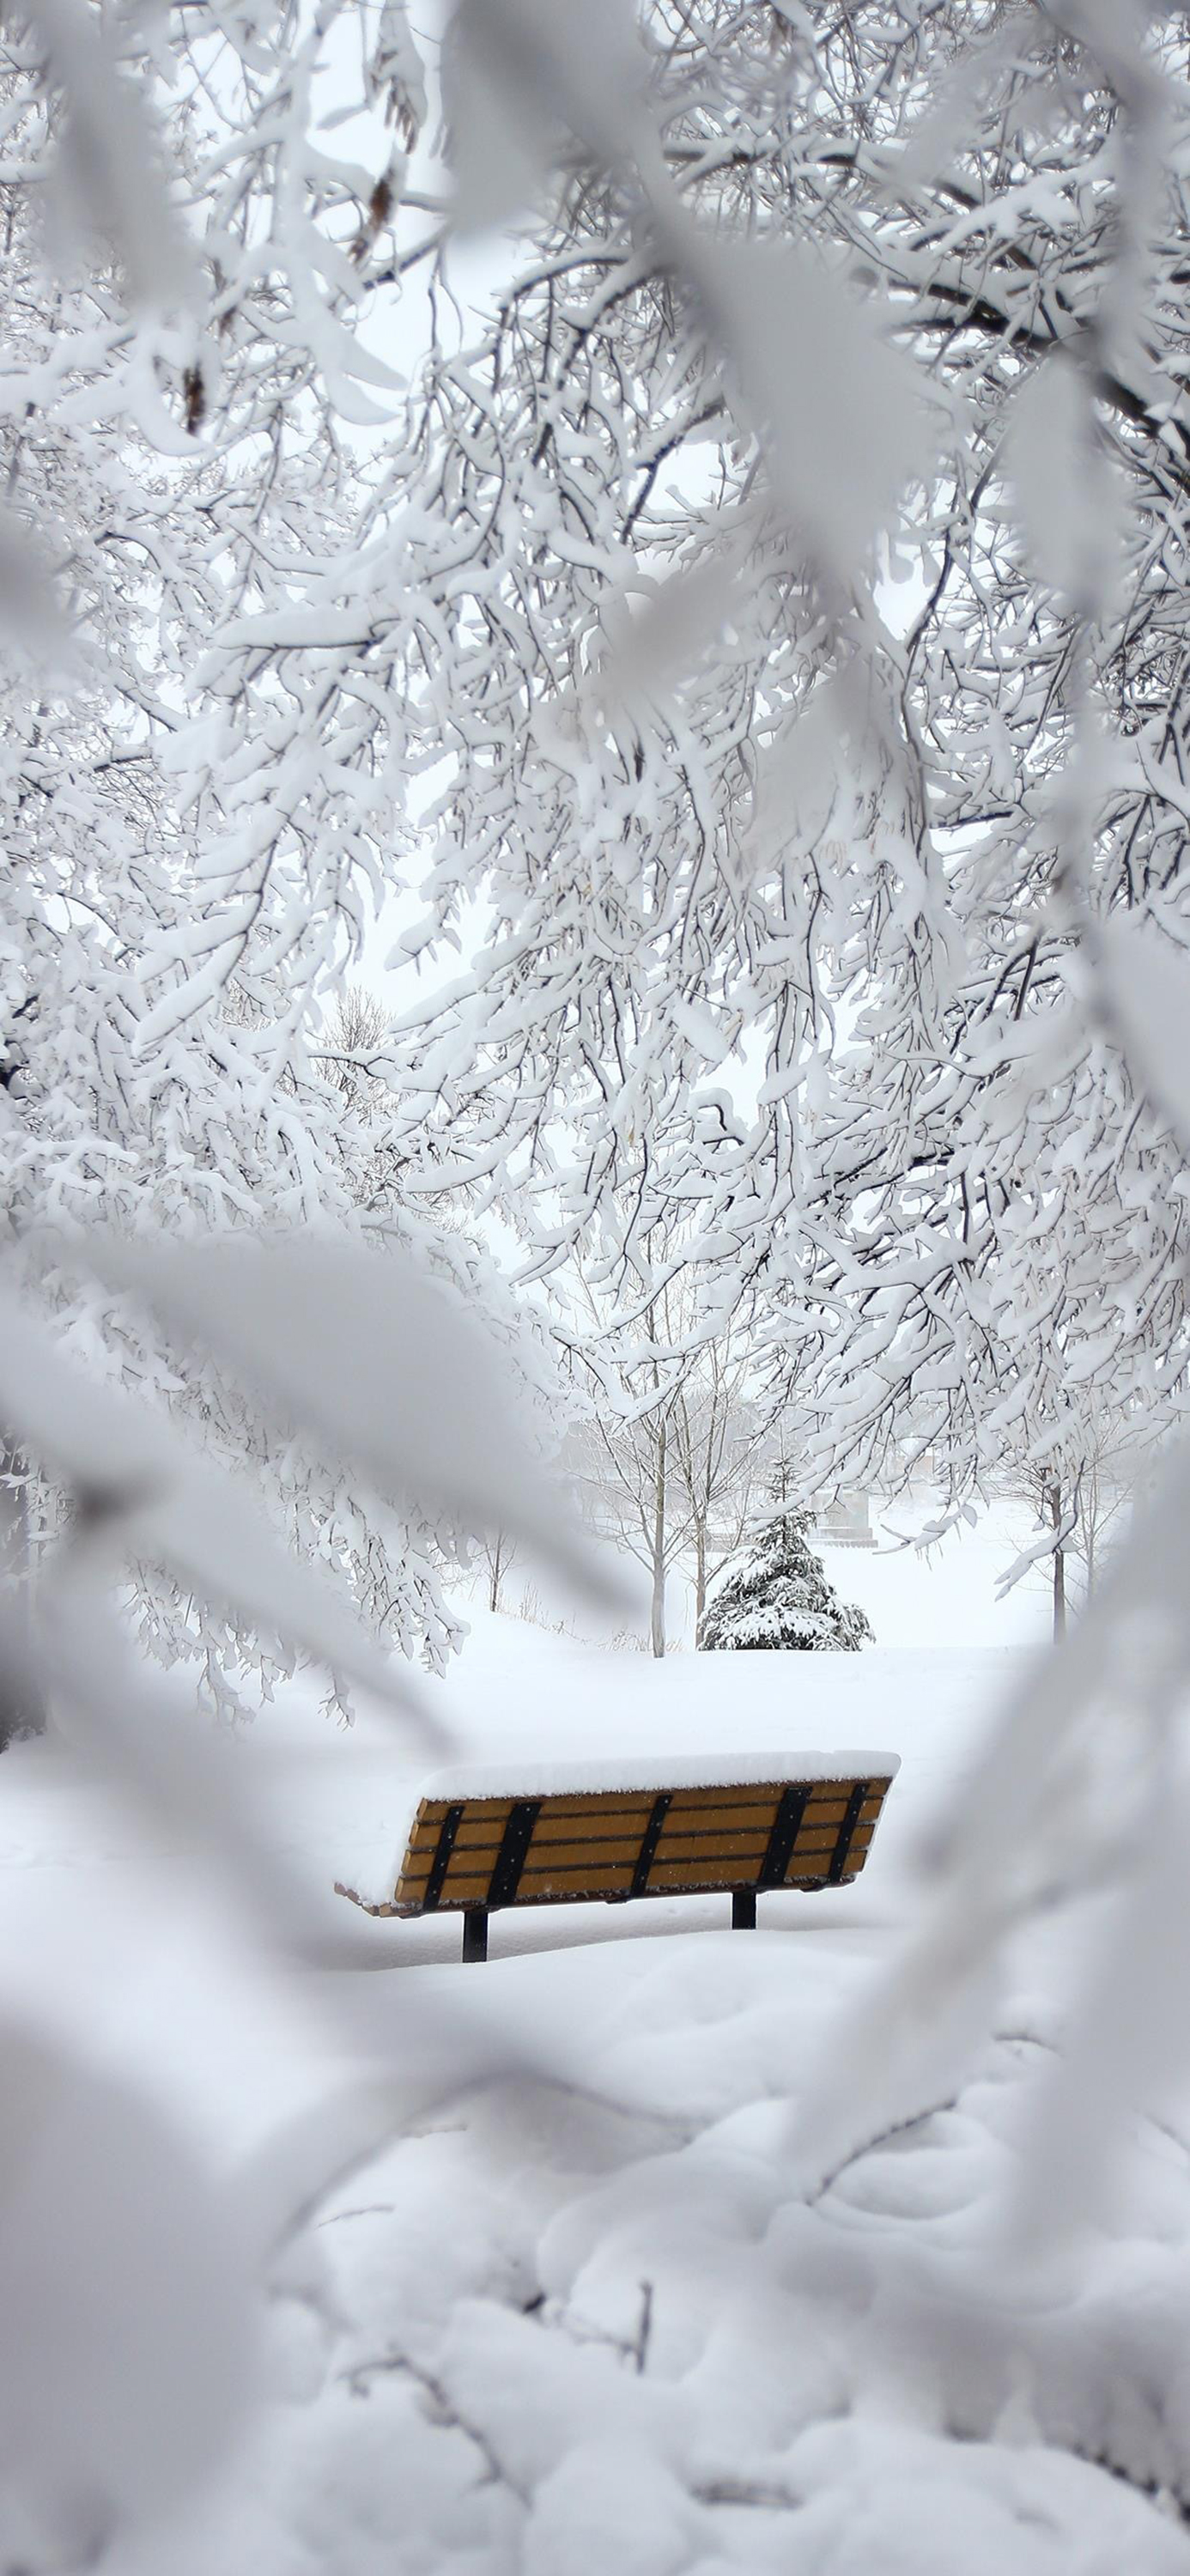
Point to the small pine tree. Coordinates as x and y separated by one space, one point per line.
779 1597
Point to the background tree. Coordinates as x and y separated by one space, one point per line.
499 1556
668 1438
357 1030
626 1480
779 1598
1081 1485
716 1433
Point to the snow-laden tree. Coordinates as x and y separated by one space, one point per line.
628 579
726 766
179 364
778 1598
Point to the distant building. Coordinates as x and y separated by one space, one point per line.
845 1522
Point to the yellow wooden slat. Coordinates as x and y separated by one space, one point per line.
490 1809
754 1815
596 1858
478 1836
432 1810
582 1802
812 1839
751 1799
468 1887
591 1824
576 1874
666 1876
711 1846
576 1802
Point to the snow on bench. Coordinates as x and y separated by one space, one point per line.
487 1836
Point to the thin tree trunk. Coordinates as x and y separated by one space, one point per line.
657 1626
700 1574
494 1588
22 1711
1055 1503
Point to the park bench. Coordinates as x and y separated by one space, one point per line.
484 1840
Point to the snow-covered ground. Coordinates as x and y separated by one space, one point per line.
582 2314
949 1594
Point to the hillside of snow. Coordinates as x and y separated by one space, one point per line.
587 2310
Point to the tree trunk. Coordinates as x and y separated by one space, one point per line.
1059 1592
22 1710
700 1575
497 1569
657 1625
1055 1504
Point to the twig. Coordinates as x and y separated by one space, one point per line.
446 2413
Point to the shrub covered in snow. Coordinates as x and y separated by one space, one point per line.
779 1596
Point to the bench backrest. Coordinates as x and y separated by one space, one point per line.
585 1845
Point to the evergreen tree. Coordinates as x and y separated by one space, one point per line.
779 1597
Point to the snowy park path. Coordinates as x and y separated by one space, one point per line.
583 2314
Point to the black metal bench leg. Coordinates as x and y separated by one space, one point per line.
475 1932
743 1909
